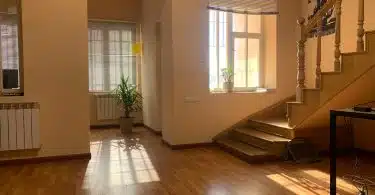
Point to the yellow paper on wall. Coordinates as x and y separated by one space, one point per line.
137 48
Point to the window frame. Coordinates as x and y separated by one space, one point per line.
20 90
231 36
106 58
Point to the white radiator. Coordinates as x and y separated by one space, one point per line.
19 126
106 108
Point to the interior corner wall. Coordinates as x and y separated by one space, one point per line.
349 24
152 12
196 114
122 10
55 74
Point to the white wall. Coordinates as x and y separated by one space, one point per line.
55 73
187 75
124 10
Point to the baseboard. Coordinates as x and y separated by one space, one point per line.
138 125
187 146
37 160
348 151
159 133
113 126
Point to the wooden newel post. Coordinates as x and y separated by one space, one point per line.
338 35
301 60
361 30
318 70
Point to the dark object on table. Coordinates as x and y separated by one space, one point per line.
302 151
362 108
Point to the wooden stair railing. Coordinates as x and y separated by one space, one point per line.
361 30
316 21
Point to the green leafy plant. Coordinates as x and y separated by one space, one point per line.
128 97
227 74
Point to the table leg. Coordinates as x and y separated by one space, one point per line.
332 154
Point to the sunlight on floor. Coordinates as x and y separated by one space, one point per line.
298 186
341 184
310 182
119 162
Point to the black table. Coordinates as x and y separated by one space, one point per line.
332 143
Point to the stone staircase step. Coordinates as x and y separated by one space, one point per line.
272 143
246 152
274 126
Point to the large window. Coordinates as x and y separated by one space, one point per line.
110 55
10 60
234 42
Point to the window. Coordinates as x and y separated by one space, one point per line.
9 41
234 42
110 55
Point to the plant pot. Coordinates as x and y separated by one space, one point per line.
126 125
228 87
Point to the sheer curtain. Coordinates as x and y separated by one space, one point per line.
111 55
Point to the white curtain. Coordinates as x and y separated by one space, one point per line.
245 6
111 55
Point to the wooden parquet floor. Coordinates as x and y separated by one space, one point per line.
141 164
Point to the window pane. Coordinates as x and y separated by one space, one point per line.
253 63
222 44
9 54
218 47
96 65
239 22
114 58
213 80
9 44
240 62
110 55
253 24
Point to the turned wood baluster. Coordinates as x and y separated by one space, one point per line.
318 70
361 30
338 35
301 60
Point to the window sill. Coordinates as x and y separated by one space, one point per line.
258 90
8 94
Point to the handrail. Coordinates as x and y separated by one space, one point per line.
316 21
323 10
305 29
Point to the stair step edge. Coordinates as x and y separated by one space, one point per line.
272 129
262 135
270 124
249 150
331 72
295 102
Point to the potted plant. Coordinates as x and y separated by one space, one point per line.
227 74
130 101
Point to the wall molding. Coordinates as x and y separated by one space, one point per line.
113 126
158 133
38 160
187 146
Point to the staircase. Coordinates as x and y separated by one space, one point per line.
264 136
